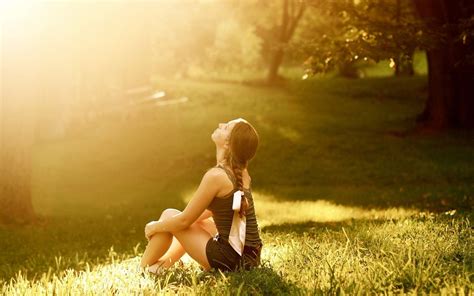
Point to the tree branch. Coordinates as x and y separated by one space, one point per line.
284 21
294 22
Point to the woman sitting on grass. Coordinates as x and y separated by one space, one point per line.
218 227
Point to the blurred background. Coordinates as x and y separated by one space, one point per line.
87 59
107 108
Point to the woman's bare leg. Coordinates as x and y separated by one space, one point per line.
159 244
176 251
164 248
194 240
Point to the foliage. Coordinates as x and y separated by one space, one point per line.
212 39
236 46
194 24
275 23
264 16
465 33
366 30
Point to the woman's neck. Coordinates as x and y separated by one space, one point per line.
220 156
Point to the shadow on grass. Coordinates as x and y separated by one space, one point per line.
422 197
336 142
264 281
62 243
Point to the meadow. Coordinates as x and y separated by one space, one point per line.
349 201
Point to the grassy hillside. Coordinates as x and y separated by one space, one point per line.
344 202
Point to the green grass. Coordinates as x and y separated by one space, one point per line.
423 253
343 203
383 69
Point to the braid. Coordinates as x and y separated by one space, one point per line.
237 169
243 144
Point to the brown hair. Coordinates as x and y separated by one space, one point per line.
243 143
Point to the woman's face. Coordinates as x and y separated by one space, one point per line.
221 134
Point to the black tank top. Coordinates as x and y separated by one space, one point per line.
221 208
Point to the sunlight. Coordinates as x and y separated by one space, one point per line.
392 63
187 195
106 113
91 281
270 211
13 8
83 57
289 133
411 250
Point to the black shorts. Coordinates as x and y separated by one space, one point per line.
222 256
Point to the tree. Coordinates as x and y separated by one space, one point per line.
450 101
236 46
16 135
19 88
275 22
54 53
360 30
403 63
444 29
292 11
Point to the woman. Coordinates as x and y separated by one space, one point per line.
218 227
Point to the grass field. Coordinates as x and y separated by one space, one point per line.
347 203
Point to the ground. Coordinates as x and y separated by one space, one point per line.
347 200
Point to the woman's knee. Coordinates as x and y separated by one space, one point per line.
169 213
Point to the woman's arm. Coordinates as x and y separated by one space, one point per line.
210 185
206 214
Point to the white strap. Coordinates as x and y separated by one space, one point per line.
237 230
237 200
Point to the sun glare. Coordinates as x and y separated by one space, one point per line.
14 9
269 210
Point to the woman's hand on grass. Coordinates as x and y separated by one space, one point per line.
150 229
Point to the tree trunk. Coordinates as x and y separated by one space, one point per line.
19 92
450 92
450 101
290 19
17 134
348 70
15 188
275 62
404 65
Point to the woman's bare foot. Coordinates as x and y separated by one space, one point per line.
160 266
156 268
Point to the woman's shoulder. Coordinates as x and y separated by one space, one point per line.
217 174
228 174
220 177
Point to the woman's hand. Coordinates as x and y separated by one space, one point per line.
150 229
